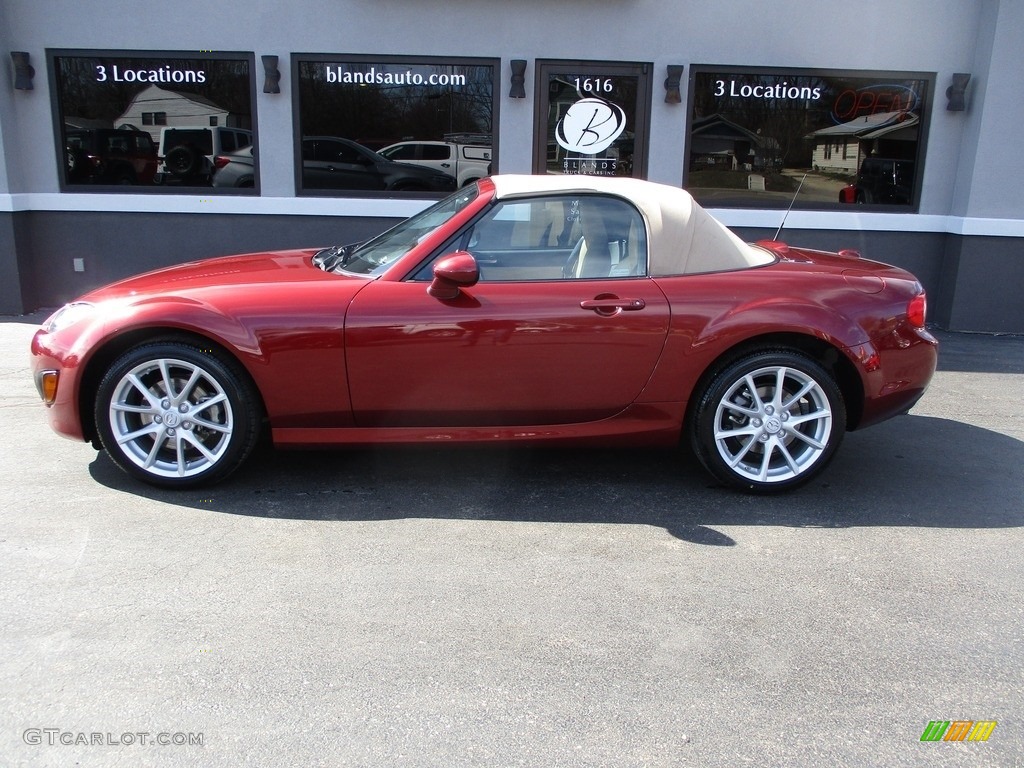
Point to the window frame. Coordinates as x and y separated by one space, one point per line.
297 59
879 76
643 71
57 117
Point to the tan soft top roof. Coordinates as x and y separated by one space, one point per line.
682 237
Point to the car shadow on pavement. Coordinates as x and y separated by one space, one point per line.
911 471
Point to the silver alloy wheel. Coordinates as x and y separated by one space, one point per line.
773 424
171 418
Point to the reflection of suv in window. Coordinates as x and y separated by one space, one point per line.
235 169
187 152
329 162
882 180
109 156
466 162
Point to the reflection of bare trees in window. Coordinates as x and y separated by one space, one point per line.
378 114
781 124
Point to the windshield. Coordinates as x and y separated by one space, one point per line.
374 256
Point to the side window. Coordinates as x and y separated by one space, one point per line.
437 152
558 238
400 152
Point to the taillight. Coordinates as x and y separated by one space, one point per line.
220 161
916 310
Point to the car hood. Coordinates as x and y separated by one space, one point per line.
247 269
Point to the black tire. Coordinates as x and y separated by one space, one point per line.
175 415
768 422
183 160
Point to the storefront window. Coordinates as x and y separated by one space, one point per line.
592 118
159 121
387 126
840 138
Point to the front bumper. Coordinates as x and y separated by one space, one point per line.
56 372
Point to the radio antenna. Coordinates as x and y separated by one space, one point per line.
786 215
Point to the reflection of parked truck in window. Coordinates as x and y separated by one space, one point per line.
882 180
467 158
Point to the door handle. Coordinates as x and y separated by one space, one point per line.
610 306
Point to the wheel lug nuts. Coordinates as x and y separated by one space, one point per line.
756 422
186 425
158 419
769 410
165 404
170 432
183 408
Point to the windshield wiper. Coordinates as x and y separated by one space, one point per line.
331 258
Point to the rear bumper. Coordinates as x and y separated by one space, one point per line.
897 372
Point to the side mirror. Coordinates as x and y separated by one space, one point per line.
452 272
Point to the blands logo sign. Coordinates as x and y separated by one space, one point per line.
958 730
590 126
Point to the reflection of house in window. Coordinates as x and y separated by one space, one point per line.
156 106
841 148
716 142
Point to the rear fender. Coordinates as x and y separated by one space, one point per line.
693 352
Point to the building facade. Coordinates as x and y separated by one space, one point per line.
134 137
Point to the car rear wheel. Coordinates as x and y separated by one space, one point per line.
768 422
174 415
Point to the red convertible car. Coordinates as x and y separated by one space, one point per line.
531 309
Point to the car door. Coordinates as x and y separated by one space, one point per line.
534 342
334 164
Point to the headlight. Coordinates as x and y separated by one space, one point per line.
68 315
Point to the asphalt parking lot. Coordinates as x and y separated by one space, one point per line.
520 607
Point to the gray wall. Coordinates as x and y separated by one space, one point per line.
969 230
113 245
926 35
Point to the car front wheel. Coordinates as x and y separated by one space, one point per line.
175 415
768 422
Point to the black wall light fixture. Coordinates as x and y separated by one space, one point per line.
23 71
518 87
675 74
271 75
956 94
